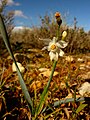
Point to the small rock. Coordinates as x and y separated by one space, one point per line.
84 90
22 69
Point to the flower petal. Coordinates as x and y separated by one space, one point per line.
61 53
56 57
46 41
55 39
44 48
62 44
53 56
52 42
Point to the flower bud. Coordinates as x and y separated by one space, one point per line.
64 34
58 18
57 14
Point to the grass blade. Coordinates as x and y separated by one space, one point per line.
81 107
44 94
8 46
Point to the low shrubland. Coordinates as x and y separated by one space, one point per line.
48 87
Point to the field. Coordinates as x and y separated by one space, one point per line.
70 73
45 84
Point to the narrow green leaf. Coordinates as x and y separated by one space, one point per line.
81 107
8 46
54 112
58 103
44 94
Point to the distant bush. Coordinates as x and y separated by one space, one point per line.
78 39
8 17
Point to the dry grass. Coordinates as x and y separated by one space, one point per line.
12 103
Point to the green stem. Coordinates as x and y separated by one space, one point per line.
53 69
58 31
45 91
42 100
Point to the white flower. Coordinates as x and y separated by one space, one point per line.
84 90
53 56
54 48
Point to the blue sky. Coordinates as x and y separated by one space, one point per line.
27 12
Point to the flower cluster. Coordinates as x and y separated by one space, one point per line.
55 48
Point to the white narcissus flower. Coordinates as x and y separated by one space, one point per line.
55 48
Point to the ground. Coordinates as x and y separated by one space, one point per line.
70 74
